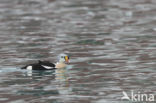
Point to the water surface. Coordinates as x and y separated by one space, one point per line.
112 44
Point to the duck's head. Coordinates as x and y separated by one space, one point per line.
64 58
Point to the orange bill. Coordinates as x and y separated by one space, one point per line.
67 59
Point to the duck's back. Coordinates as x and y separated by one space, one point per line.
41 65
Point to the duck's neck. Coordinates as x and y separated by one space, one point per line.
60 65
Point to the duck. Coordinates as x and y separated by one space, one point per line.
63 59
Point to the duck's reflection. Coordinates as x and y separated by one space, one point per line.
62 78
49 78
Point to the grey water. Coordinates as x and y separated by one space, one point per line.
111 43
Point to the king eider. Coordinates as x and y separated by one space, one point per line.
46 65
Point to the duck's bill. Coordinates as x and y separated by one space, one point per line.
67 59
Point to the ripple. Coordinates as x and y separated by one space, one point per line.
111 43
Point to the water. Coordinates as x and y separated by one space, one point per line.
111 43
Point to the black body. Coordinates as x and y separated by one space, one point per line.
41 65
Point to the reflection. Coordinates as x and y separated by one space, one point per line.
39 73
44 81
29 73
39 81
63 80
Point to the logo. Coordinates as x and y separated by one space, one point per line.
138 97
